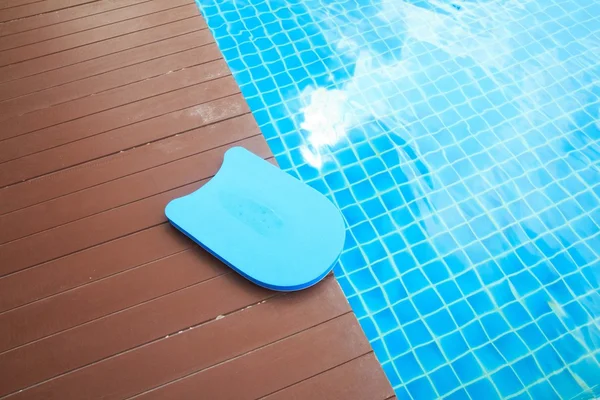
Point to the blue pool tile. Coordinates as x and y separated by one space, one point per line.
415 280
453 345
462 312
544 273
368 326
395 291
417 333
391 374
494 325
569 348
408 367
353 260
532 336
456 261
481 302
353 215
362 279
380 351
538 303
489 357
364 232
563 263
474 334
591 276
543 390
502 294
373 208
404 261
516 314
385 321
374 299
527 370
510 346
346 157
374 251
467 368
423 252
357 306
524 283
440 322
590 301
402 393
405 311
578 285
384 225
565 384
422 389
402 215
427 301
347 288
383 271
392 200
588 370
353 173
460 394
444 380
576 313
548 359
507 381
413 234
449 291
465 237
510 264
482 389
382 181
468 282
363 190
551 326
430 356
436 271
396 343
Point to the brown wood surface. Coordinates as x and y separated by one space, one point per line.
109 109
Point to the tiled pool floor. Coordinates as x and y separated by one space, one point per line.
461 142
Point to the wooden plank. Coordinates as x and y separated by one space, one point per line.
38 8
111 80
187 352
267 369
112 62
86 23
56 212
118 292
92 173
127 329
99 49
15 3
164 126
64 15
118 222
89 265
202 77
96 35
359 379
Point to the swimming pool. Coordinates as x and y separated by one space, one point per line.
460 139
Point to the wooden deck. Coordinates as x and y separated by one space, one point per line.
109 109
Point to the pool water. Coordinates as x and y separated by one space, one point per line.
460 139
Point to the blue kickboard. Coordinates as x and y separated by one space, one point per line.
268 226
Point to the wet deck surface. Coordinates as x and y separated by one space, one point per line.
109 109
